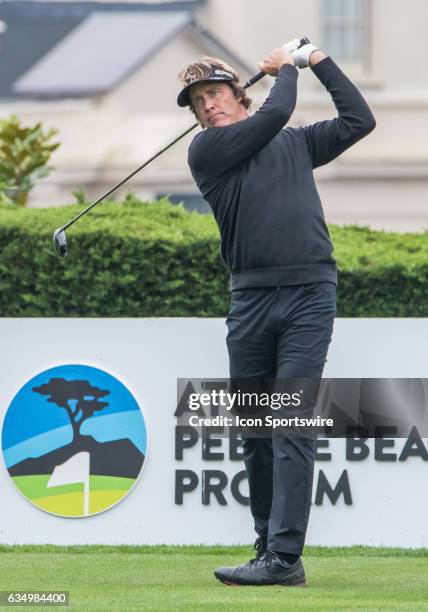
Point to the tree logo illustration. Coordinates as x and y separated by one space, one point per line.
74 440
85 397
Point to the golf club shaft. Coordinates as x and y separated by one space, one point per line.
248 84
146 163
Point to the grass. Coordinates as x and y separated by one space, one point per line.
180 578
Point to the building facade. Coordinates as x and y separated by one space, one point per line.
113 101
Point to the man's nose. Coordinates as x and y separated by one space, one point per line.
208 104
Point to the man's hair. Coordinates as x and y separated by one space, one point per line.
204 67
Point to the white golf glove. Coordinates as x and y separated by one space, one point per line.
292 45
301 56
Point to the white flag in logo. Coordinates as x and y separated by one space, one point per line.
75 469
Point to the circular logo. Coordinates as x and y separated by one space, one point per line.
74 440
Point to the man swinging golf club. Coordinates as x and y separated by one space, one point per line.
258 179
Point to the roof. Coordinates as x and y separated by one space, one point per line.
46 7
98 54
36 27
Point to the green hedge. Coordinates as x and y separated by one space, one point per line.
135 259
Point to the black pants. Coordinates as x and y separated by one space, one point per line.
280 332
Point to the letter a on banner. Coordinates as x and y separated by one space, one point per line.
76 469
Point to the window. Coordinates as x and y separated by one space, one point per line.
346 31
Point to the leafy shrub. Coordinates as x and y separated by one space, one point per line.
24 154
136 259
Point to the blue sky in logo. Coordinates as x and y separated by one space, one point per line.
33 423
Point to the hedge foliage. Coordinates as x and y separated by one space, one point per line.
138 259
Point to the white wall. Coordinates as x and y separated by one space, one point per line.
252 28
147 355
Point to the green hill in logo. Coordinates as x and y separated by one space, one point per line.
69 500
56 482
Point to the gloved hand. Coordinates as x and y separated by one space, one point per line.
292 45
301 56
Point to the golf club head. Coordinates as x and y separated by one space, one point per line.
60 242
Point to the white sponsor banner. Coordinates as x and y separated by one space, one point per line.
381 498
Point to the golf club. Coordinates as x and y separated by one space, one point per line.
59 239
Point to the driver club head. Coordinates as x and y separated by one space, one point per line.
60 242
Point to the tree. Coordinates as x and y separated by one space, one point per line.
24 154
61 392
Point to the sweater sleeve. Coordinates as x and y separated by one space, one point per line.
328 139
217 150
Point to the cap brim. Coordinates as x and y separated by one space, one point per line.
183 98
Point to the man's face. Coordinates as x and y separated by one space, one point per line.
215 104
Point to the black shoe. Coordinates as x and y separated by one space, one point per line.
264 570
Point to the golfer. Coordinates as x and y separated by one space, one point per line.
258 179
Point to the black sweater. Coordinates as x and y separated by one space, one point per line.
258 179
